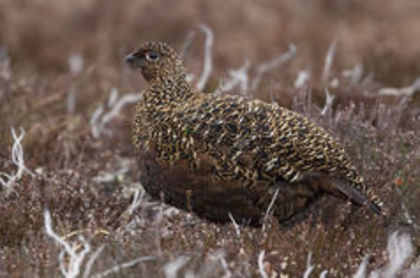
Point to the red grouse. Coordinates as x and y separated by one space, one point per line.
225 155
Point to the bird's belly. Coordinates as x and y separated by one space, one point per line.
197 191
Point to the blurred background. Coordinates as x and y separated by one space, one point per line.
65 57
64 82
383 35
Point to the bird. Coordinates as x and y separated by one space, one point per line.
230 156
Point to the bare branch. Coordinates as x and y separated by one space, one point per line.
406 91
329 58
171 269
50 232
261 265
119 267
400 249
361 270
414 270
274 63
235 225
237 77
94 119
273 200
137 198
17 159
207 66
225 266
219 255
301 79
328 102
76 63
355 74
323 274
116 108
187 44
17 154
100 119
76 258
309 266
408 217
190 77
5 69
92 260
113 97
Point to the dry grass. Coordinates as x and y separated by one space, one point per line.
88 183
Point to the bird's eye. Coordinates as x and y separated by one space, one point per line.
152 56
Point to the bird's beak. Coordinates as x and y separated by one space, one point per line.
131 60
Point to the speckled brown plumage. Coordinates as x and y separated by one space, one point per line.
229 154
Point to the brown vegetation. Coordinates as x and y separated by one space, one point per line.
87 182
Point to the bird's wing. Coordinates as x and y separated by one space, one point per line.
263 140
257 143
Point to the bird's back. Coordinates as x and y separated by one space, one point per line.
257 146
229 155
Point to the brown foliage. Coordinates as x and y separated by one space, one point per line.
381 133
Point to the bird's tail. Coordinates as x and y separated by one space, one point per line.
369 199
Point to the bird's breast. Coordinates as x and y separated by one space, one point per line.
198 190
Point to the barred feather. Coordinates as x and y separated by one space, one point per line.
229 154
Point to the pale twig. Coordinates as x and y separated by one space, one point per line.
309 266
368 79
190 78
407 214
335 83
92 260
220 256
361 270
113 97
414 270
408 217
17 154
323 274
76 258
76 63
225 266
405 91
94 119
328 102
400 249
137 198
237 77
171 269
71 100
261 265
118 105
50 232
355 74
17 159
187 43
274 63
207 65
273 200
329 58
120 267
100 118
235 225
301 79
5 68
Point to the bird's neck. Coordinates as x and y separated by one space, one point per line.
167 91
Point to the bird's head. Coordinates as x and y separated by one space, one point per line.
156 60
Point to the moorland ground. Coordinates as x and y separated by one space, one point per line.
62 78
